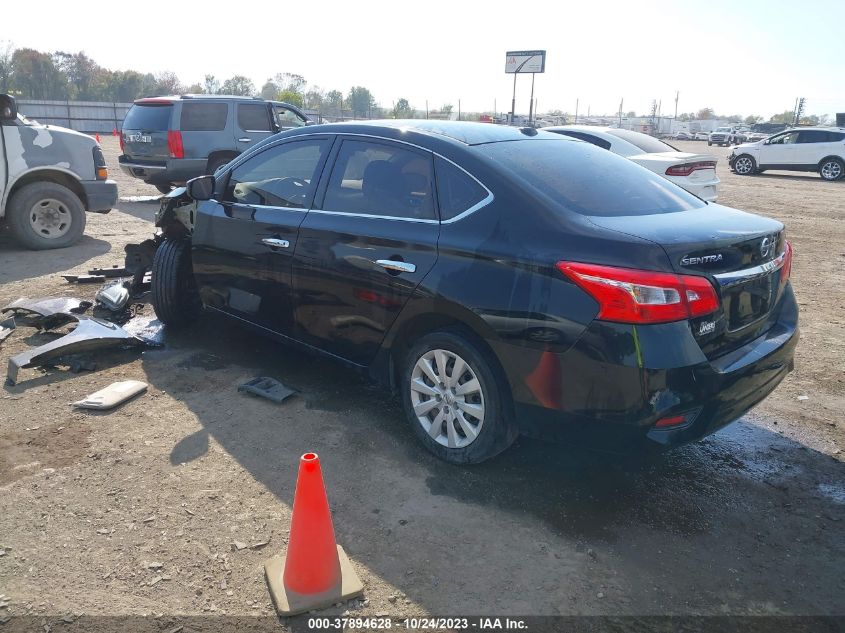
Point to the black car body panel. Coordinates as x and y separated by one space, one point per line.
491 271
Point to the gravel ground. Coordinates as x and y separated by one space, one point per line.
168 506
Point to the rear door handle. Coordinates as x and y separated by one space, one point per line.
244 140
275 242
399 267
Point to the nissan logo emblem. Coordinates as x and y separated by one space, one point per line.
766 247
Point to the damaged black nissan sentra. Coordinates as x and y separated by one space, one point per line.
502 280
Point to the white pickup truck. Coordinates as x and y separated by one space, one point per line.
49 177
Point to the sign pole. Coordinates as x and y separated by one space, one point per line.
531 106
513 101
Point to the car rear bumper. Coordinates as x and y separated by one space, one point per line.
706 190
100 195
171 171
611 388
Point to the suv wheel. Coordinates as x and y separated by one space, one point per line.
831 169
174 292
745 165
44 215
453 400
165 189
216 163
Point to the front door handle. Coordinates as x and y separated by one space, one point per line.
244 140
275 242
396 266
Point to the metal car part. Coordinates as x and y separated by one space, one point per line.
84 279
114 297
6 328
89 334
113 395
266 387
47 313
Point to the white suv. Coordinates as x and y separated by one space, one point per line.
820 149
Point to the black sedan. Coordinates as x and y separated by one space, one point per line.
502 280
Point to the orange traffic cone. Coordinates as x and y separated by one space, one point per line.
114 132
316 572
97 137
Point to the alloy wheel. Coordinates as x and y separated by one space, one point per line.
831 170
447 398
743 165
50 218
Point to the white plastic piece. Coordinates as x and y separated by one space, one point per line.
113 395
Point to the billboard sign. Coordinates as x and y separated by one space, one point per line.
525 62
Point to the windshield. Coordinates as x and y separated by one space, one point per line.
648 144
586 179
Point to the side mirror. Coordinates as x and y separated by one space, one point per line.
8 108
201 188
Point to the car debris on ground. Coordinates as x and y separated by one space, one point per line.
90 333
6 328
114 297
47 313
113 395
267 387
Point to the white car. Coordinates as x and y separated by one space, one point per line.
694 172
820 149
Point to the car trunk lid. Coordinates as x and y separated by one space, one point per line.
740 253
144 132
695 167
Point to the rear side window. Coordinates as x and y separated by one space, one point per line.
813 136
281 176
457 191
254 117
203 117
585 179
381 179
148 118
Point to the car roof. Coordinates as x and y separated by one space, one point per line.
463 132
189 97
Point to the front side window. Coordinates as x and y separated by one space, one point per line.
381 179
281 176
784 139
203 117
254 117
288 118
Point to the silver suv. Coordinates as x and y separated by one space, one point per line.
167 141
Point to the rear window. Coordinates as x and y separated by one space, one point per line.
203 117
588 180
148 118
595 140
648 144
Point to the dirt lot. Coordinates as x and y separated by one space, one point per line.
135 512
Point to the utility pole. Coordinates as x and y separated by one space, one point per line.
426 108
620 111
531 103
459 109
677 93
576 110
513 99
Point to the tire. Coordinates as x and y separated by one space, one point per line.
496 429
174 292
44 215
165 189
831 169
745 165
217 162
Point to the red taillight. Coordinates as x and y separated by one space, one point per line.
786 269
120 140
642 296
687 168
174 144
674 420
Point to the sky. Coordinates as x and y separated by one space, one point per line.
750 57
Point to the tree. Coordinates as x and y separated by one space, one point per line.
210 85
269 90
447 108
631 114
314 98
195 88
787 116
7 49
82 74
35 75
167 83
705 113
238 85
291 96
360 101
809 120
751 119
403 110
734 118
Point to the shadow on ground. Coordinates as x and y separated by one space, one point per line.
742 522
38 263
